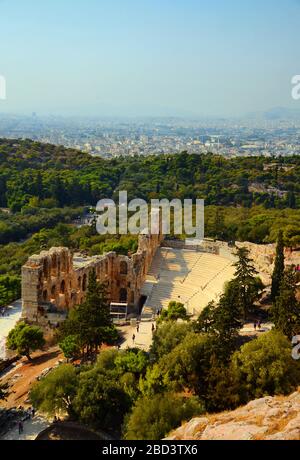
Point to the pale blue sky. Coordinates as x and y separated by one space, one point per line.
149 57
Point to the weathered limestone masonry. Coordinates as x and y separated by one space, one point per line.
55 281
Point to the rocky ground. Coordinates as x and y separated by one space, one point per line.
269 418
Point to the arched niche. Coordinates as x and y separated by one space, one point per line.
123 295
123 268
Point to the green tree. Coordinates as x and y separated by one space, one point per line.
175 311
223 320
167 337
134 361
154 417
278 271
285 310
70 347
90 322
222 386
265 366
185 367
245 280
206 321
54 394
101 400
25 339
219 224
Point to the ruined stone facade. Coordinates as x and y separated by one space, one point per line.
55 281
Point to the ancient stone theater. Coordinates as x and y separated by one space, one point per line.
56 280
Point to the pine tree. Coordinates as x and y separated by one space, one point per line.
228 317
291 200
90 322
219 224
278 272
222 321
286 309
94 316
247 284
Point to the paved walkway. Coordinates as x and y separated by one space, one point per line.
143 338
7 322
32 428
249 328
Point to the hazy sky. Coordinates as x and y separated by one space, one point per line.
149 57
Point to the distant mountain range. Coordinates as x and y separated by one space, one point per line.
277 113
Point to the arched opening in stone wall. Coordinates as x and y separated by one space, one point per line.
53 264
123 268
46 268
79 282
62 287
45 295
84 282
123 295
53 290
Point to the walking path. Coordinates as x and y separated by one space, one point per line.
7 322
143 338
249 328
31 428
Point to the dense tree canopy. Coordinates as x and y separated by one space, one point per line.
265 366
35 177
154 417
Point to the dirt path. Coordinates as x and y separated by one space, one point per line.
22 376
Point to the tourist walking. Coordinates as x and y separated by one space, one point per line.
133 338
21 428
255 324
138 328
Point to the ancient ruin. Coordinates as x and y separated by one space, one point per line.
55 281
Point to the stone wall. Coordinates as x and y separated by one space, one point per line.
55 281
